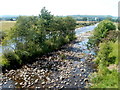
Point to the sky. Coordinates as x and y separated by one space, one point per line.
59 7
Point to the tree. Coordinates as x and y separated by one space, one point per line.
84 19
33 36
101 31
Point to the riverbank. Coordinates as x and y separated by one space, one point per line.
65 68
107 56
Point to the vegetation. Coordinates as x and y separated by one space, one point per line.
100 32
34 36
105 37
6 25
84 23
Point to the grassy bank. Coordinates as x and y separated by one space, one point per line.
105 38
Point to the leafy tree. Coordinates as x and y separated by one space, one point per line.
33 36
84 19
101 31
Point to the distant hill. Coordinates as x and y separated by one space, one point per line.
8 17
92 17
77 17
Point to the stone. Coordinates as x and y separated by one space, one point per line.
16 83
86 80
43 83
67 83
36 80
21 83
82 83
75 83
61 78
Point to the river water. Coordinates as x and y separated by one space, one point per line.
72 71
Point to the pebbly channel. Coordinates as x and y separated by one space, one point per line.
68 67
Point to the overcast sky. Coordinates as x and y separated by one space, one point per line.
59 7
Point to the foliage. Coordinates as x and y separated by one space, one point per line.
101 31
108 80
105 37
2 34
108 54
119 26
33 36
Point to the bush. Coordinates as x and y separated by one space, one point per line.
12 58
119 26
2 35
108 80
101 31
103 54
34 36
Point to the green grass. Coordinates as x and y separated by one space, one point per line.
109 80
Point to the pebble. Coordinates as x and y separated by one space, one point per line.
43 83
36 80
16 83
61 78
75 83
67 83
21 83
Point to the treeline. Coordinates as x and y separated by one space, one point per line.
94 17
105 37
34 36
82 24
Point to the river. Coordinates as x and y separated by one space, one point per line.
65 68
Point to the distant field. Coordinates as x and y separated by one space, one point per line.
6 25
86 21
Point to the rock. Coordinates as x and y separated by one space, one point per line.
43 83
61 78
11 86
36 80
67 83
73 76
42 70
86 80
5 82
82 70
28 78
9 79
16 83
21 83
82 83
48 79
62 87
37 87
75 83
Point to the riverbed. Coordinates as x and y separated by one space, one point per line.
68 67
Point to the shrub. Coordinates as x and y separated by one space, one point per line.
34 36
101 31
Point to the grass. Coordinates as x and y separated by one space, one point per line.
109 80
6 25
